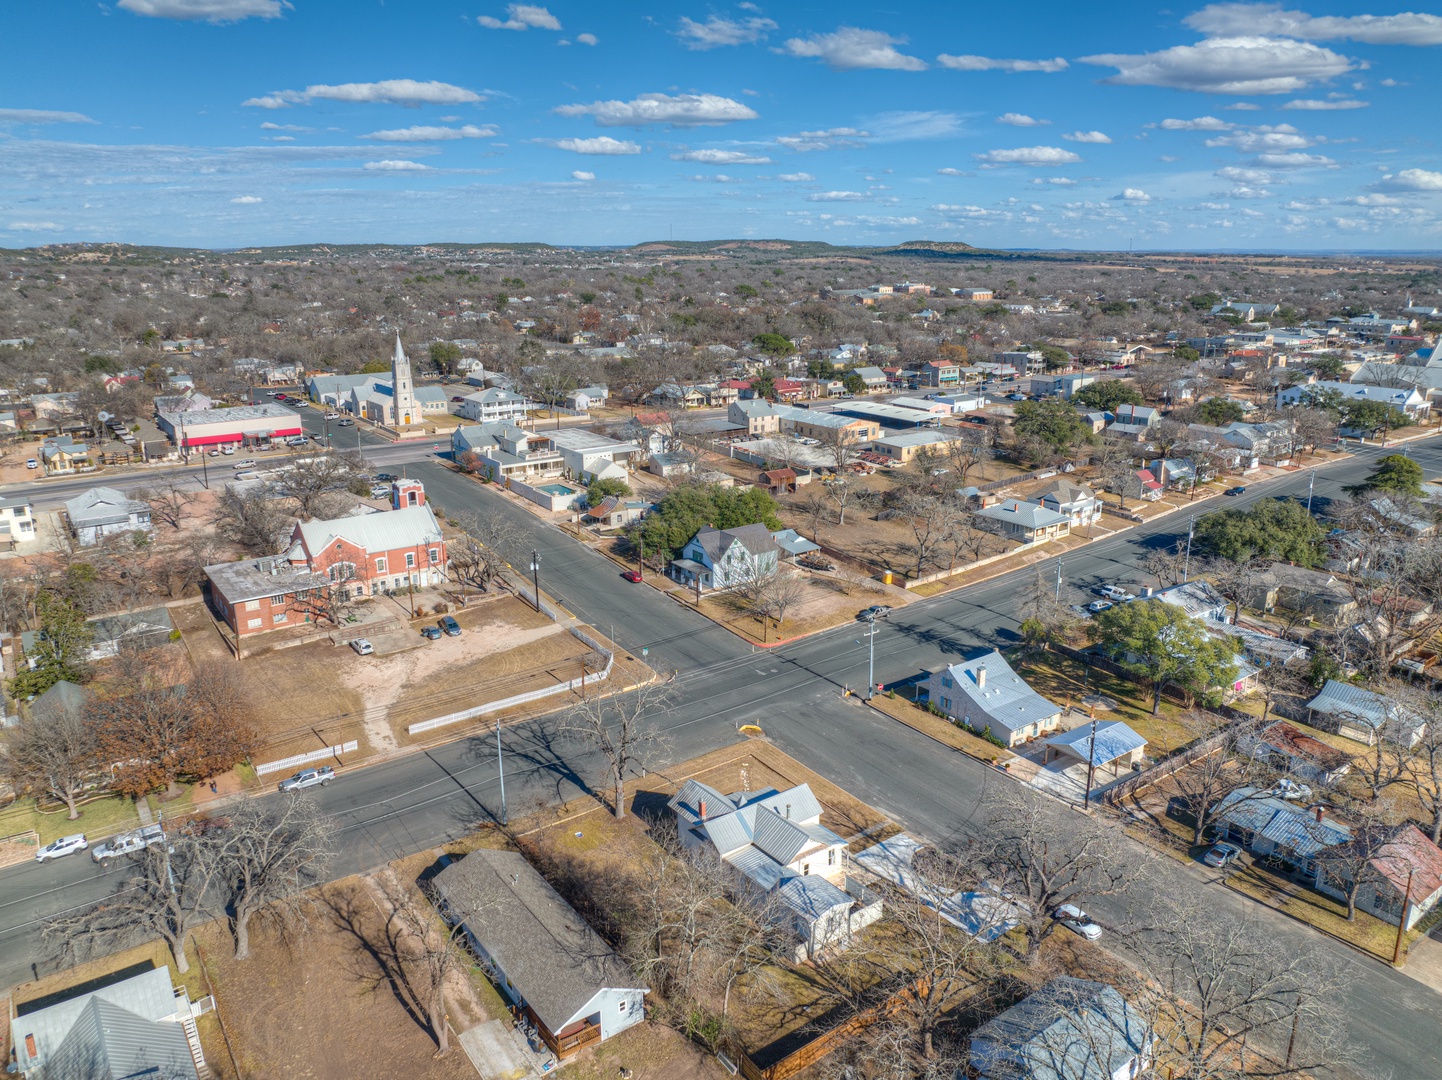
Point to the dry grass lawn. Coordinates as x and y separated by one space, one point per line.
914 716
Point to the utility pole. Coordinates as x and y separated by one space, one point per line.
1058 581
870 656
1311 483
1091 763
501 771
1187 563
1402 919
536 576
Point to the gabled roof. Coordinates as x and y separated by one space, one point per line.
410 526
996 692
1070 1029
1065 491
755 539
1113 739
1024 514
555 961
811 896
1354 703
107 1042
1292 741
1410 856
103 506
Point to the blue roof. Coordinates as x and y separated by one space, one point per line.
1113 739
1285 824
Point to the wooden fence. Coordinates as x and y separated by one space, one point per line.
826 1043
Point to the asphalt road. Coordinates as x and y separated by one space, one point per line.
794 693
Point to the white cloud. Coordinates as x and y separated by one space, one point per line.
829 139
1265 137
1373 200
247 200
908 126
602 144
796 177
424 133
1409 28
1030 155
680 110
1134 196
1410 180
43 116
1248 176
716 32
35 226
1242 106
588 39
1235 65
1087 137
1200 123
279 138
1244 191
1295 161
1312 105
986 63
721 157
216 11
392 165
388 91
268 126
1055 181
1020 120
836 196
579 174
719 178
849 48
521 17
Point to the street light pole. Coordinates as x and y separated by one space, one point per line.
1311 483
871 658
1058 581
536 576
1091 762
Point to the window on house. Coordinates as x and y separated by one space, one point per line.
380 566
279 598
279 617
252 605
410 559
621 1006
805 869
830 856
435 556
946 681
946 704
252 624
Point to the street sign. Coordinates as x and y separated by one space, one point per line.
645 650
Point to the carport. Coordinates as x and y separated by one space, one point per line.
1115 744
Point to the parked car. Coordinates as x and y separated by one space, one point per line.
1223 854
1290 789
245 463
128 843
450 626
270 393
1078 921
1096 607
431 633
332 416
457 397
347 422
633 576
1115 593
874 612
363 646
381 492
386 477
228 451
280 397
320 776
1235 491
66 845
31 463
1016 397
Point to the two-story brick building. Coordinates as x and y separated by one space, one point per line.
360 556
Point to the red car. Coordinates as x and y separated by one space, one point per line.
633 576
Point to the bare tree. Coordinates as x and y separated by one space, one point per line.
1357 865
315 482
479 556
1236 581
1044 866
252 520
56 752
817 508
971 449
274 849
167 498
622 728
166 892
842 448
1167 564
1424 766
843 490
931 521
421 954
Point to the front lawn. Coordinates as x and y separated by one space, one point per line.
99 818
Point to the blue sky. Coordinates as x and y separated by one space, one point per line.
239 122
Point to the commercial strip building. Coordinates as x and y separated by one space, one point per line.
244 425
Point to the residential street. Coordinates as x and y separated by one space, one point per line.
794 694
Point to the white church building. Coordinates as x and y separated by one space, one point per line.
393 402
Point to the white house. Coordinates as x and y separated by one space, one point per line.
1031 523
1406 398
17 521
775 843
1070 1029
1355 713
1075 501
586 398
726 558
542 955
984 693
103 511
492 404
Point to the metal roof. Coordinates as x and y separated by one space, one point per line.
1113 739
1070 1029
811 897
1026 515
1001 696
103 506
781 839
410 526
147 996
1354 703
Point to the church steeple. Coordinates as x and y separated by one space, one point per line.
402 388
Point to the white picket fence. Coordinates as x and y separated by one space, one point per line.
521 699
305 759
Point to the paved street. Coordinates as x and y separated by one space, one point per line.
794 693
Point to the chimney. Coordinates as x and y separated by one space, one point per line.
1318 811
981 678
703 809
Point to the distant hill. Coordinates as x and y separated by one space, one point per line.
738 247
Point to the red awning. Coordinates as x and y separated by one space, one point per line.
238 436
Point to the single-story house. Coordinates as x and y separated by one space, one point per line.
671 463
543 956
1114 744
1269 826
129 630
104 511
984 693
793 545
726 558
1030 523
1196 597
1406 871
774 842
586 398
1317 593
1070 1029
615 512
1359 714
1293 751
111 1028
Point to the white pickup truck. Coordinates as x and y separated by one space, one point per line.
317 777
128 843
